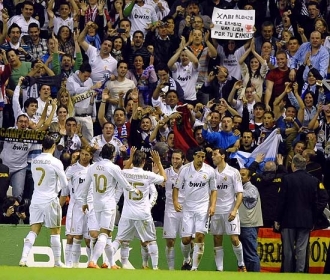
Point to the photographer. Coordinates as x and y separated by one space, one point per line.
12 212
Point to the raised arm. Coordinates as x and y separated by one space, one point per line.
82 35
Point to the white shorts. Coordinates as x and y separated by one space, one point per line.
193 222
221 226
172 224
49 214
76 220
128 228
106 218
92 223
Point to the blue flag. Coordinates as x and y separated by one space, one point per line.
269 147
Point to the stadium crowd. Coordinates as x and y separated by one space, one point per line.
141 90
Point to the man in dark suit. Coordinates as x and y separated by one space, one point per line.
218 84
296 214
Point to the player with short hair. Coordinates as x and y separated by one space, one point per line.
226 219
104 175
49 178
76 220
198 181
172 219
136 214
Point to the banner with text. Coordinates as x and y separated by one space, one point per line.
270 250
233 24
19 135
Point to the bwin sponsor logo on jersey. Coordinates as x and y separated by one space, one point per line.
196 185
142 16
222 187
184 79
24 147
81 180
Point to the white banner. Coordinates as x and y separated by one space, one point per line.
232 24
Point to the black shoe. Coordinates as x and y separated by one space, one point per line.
186 266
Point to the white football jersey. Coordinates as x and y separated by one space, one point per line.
100 142
197 186
104 175
228 183
76 175
172 176
141 17
49 178
138 206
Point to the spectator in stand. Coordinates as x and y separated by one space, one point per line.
267 32
64 11
186 71
38 46
65 40
276 79
23 20
255 71
318 57
141 16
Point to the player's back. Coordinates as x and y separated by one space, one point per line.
48 176
138 206
103 174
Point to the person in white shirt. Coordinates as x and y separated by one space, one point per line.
136 214
119 86
198 181
226 218
24 19
14 155
44 97
141 15
104 66
64 19
107 137
172 219
104 175
49 178
80 83
76 220
185 72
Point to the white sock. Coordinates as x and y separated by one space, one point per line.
124 252
99 246
145 255
91 246
76 252
88 251
218 257
197 255
115 245
109 251
169 252
185 249
238 250
28 244
68 255
153 252
55 244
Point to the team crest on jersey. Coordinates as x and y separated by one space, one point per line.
225 178
147 11
205 177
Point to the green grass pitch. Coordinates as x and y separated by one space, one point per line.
31 273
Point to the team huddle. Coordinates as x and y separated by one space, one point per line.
199 198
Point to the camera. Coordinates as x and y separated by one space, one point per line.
215 70
121 30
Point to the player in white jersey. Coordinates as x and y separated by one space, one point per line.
172 219
136 214
226 219
198 181
104 175
76 220
49 178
